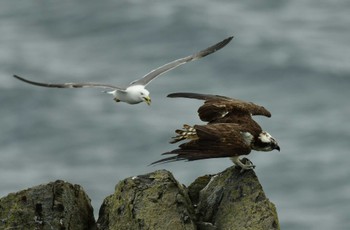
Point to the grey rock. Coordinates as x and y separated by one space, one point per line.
56 205
152 201
235 200
228 200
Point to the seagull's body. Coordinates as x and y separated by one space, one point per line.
131 95
136 91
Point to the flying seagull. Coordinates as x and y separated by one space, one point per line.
136 92
230 132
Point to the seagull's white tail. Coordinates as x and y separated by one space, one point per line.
109 92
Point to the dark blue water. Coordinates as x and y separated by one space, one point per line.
291 57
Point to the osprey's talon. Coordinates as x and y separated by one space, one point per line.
247 166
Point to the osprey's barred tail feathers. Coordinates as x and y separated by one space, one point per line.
187 132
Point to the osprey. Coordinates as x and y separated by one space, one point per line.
230 131
136 92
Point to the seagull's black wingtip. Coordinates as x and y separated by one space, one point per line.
227 40
20 78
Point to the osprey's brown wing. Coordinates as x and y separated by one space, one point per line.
198 96
214 141
220 109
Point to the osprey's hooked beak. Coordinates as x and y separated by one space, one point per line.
277 147
147 100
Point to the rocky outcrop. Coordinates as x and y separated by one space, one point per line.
233 200
227 200
56 205
151 201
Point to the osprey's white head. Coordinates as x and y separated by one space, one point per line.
265 142
135 94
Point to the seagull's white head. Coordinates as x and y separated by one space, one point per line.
136 94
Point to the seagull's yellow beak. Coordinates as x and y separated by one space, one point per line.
148 100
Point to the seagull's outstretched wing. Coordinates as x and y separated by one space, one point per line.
171 65
70 85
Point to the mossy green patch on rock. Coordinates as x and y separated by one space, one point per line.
236 200
57 205
151 201
227 200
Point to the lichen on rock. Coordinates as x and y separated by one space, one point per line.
228 200
235 200
151 201
56 205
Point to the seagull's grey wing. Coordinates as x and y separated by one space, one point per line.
171 65
70 85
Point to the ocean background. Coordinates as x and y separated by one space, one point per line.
293 57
